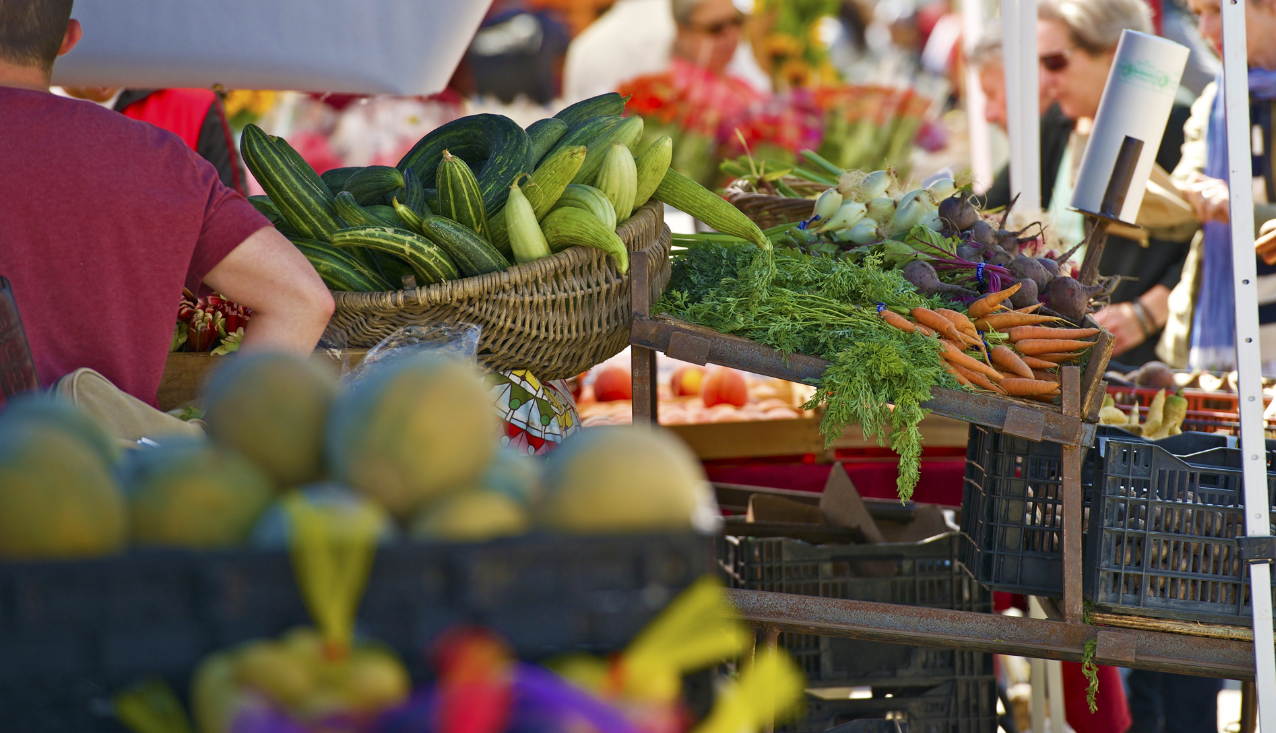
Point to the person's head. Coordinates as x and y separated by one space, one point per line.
989 63
1260 27
708 32
1076 40
33 33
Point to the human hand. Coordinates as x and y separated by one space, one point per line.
1208 198
1123 324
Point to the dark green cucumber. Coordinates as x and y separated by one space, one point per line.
407 216
392 268
414 194
544 134
584 134
302 166
267 208
429 262
340 270
303 204
459 197
610 103
385 213
496 138
336 178
472 254
355 215
370 184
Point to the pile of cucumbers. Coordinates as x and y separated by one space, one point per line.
478 195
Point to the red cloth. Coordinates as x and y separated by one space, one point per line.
180 111
1113 714
940 483
104 221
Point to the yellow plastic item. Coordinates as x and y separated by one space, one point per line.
151 707
770 689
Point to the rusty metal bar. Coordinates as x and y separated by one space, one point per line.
1072 529
642 360
1025 637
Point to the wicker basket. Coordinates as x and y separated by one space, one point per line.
768 211
557 316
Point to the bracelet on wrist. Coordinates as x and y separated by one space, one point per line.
1144 318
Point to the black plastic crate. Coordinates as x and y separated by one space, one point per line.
957 706
1163 530
73 633
914 574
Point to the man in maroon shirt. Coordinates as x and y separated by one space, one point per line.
103 220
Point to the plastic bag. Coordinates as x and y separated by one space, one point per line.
335 344
453 340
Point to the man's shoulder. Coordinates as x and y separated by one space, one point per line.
76 116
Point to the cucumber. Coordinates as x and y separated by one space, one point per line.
584 134
610 103
305 206
652 165
407 216
627 133
496 138
547 184
690 197
618 180
543 134
385 213
336 178
267 208
371 183
392 269
526 238
340 270
355 215
472 254
300 163
569 227
429 263
588 198
459 196
414 194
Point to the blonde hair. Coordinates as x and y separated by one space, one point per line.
1095 25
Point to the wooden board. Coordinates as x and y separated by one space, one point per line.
186 372
761 438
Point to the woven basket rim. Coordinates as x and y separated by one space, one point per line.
649 216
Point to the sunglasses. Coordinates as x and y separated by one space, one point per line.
718 28
1057 61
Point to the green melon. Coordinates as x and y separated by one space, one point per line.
190 493
272 409
412 432
46 409
57 496
471 516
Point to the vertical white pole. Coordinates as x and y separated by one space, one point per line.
1013 64
972 28
1054 688
1030 137
1248 356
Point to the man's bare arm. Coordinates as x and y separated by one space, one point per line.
291 305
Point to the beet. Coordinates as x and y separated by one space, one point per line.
970 253
1155 374
1050 266
923 277
1070 299
983 233
1026 267
999 257
958 212
1026 295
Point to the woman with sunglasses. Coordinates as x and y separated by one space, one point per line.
1077 41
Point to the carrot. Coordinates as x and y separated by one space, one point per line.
961 378
894 319
990 302
925 331
1058 358
1030 309
1020 333
1046 398
999 321
1036 347
1002 356
956 357
1037 362
1019 387
928 317
979 380
959 320
1046 376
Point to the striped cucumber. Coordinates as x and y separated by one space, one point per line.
385 213
407 216
371 183
618 180
526 238
335 178
459 197
548 183
414 194
570 227
392 269
496 139
544 134
652 165
690 197
430 263
340 270
588 198
472 254
610 103
305 206
267 208
585 133
300 163
627 133
355 215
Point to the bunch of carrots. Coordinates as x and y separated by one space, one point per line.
990 347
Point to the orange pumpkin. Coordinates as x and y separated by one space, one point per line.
686 380
724 386
613 383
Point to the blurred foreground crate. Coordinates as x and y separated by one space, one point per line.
958 706
73 633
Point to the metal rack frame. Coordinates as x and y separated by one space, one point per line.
1064 636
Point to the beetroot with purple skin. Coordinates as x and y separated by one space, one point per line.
924 278
1070 299
1028 268
1026 295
